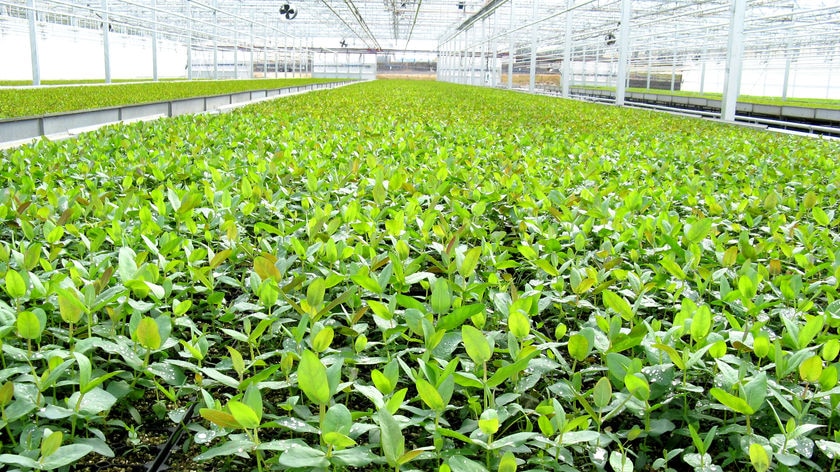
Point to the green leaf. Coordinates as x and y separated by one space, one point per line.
315 293
545 265
488 422
323 339
820 216
747 288
337 419
759 458
51 443
391 438
220 257
338 440
396 400
237 360
732 402
367 283
697 231
409 456
70 306
459 315
85 369
518 323
602 392
441 296
147 334
509 371
312 378
637 386
701 324
253 398
675 357
755 390
354 457
618 304
219 418
460 463
65 455
430 395
15 285
266 269
621 462
579 347
28 325
380 309
303 457
477 346
244 414
23 461
127 265
381 382
470 262
811 369
812 328
6 393
226 449
507 463
672 267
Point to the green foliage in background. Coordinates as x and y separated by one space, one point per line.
424 276
24 102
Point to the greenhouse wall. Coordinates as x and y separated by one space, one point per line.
66 51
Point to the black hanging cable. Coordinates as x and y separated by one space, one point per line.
362 23
345 23
411 31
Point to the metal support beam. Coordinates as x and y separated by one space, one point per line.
532 79
189 40
251 61
567 50
33 43
623 52
106 44
734 57
215 41
788 61
154 41
511 51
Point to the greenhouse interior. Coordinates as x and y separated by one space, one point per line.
420 235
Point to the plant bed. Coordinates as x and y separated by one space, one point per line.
27 102
422 276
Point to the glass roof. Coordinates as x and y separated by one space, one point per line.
698 26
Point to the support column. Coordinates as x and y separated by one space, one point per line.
189 41
623 52
251 61
463 75
483 66
734 56
215 41
788 61
33 43
532 80
106 45
236 46
567 50
154 41
511 50
674 62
